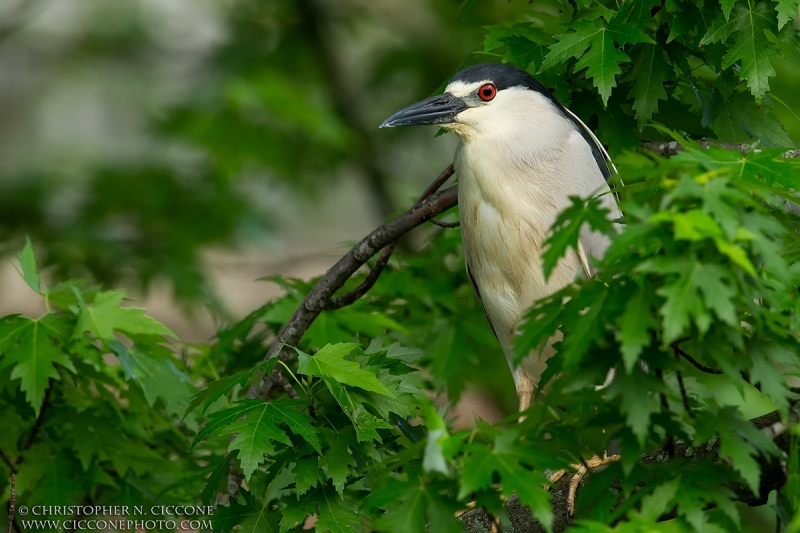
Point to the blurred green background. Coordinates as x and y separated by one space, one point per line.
185 148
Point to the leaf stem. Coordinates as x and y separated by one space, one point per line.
289 370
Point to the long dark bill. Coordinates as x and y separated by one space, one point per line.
439 109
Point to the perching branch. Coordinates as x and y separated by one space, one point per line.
429 205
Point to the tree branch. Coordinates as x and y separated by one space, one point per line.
12 502
429 205
7 460
374 273
695 363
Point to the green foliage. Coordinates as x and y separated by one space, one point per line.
100 403
701 267
92 396
687 64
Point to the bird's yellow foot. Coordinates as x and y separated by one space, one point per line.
580 472
470 506
524 393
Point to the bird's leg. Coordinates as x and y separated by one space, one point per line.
580 472
524 390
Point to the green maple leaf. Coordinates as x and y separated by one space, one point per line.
616 127
153 368
64 294
221 419
409 517
296 512
405 402
584 326
770 165
740 441
682 304
752 48
47 475
526 45
787 10
718 295
659 501
365 423
288 412
221 387
257 432
482 463
649 73
105 316
334 516
329 362
252 516
727 5
637 393
441 515
27 262
306 474
688 15
567 228
254 439
214 482
337 460
735 117
634 327
34 347
592 43
767 359
638 13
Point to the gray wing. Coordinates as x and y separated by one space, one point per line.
593 243
477 292
601 157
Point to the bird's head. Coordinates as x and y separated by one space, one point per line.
481 99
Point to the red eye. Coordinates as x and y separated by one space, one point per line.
487 92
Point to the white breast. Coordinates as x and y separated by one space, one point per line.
511 188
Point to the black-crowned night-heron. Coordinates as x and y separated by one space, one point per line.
522 155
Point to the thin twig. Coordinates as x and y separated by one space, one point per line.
372 277
7 460
684 396
437 183
12 503
445 224
669 444
695 363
